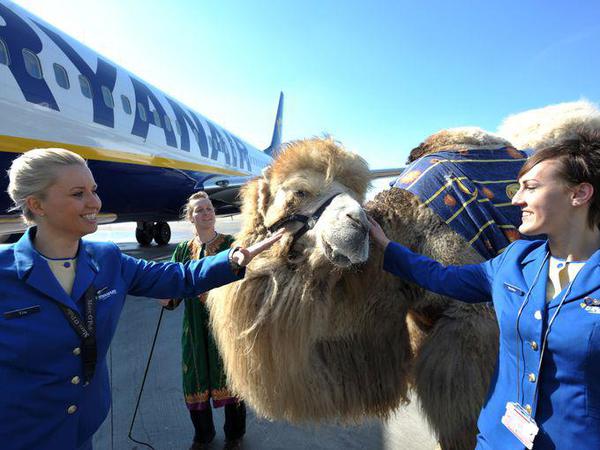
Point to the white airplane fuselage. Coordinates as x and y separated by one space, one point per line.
148 152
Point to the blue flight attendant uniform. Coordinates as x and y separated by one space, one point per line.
566 403
45 403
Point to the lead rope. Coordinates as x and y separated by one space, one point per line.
162 310
112 410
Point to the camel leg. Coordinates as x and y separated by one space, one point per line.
453 370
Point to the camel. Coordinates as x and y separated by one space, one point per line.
319 331
296 307
316 331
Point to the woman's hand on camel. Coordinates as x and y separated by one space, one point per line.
242 256
377 233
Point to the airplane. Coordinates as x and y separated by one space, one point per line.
148 151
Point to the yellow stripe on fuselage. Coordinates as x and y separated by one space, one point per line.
13 219
15 144
17 218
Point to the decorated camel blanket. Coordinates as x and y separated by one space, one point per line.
471 191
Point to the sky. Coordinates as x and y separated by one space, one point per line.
378 76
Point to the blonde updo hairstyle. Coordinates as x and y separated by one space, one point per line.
188 209
32 173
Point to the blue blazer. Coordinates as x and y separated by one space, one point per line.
565 393
44 402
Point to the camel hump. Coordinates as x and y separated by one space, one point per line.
456 140
542 127
471 191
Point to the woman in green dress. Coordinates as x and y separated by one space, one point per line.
203 375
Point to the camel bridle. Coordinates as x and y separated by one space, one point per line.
308 221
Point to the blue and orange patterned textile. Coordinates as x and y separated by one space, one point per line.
471 191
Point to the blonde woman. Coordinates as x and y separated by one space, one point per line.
60 300
203 375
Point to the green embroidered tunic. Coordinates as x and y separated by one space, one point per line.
203 375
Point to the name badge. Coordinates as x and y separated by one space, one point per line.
16 313
520 424
104 293
514 289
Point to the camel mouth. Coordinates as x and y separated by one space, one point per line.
335 257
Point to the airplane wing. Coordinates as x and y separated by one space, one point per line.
386 173
12 225
224 191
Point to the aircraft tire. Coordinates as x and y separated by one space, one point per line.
145 234
162 233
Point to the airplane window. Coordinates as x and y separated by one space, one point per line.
168 124
108 98
32 64
178 127
84 85
3 54
62 77
126 104
156 118
142 112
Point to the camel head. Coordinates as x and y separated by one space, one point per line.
314 190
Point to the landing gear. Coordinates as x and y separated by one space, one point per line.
144 233
162 233
159 231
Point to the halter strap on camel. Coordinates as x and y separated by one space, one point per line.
308 221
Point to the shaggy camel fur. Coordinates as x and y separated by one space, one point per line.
297 336
541 127
319 332
307 337
454 344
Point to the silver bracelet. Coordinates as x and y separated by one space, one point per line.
234 265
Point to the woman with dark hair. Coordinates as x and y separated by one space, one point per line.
61 298
545 393
202 367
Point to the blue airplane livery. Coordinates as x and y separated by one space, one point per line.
148 151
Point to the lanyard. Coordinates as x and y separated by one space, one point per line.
545 338
86 330
519 340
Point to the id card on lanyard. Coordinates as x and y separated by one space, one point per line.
520 423
516 418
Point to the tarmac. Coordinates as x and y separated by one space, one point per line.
162 419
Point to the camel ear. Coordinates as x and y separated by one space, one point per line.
254 195
266 173
263 196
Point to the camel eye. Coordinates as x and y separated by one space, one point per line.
301 194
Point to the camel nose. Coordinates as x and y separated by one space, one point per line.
356 219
